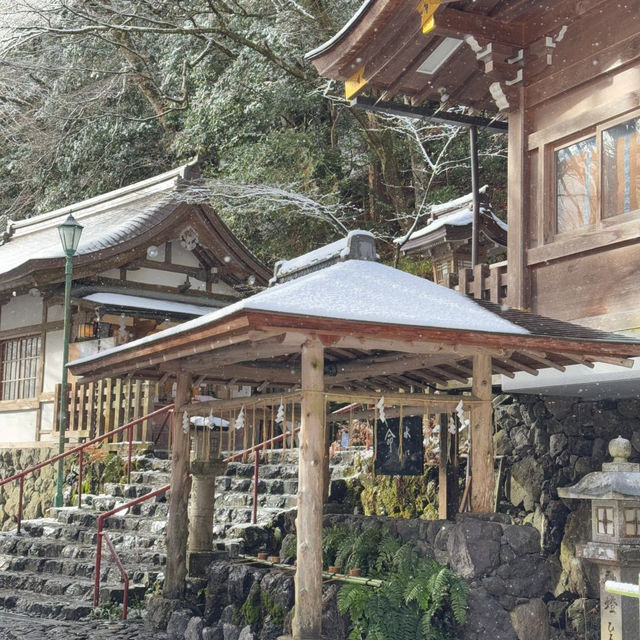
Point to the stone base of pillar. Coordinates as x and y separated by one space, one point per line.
198 561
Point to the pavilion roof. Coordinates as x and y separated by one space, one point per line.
381 326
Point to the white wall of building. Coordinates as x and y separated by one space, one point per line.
17 427
21 311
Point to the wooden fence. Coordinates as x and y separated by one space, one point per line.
98 407
485 282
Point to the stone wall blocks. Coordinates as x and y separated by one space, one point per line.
530 620
580 446
559 408
474 548
486 618
194 629
230 631
522 540
629 408
213 633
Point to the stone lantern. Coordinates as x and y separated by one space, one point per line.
615 535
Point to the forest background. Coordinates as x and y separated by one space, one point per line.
97 94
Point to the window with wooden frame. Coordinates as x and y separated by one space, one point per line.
598 176
19 360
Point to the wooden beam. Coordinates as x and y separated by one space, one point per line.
458 24
498 367
482 485
620 362
516 364
307 621
178 522
542 360
572 357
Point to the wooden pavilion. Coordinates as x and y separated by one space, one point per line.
337 324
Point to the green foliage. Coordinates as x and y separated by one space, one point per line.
258 606
400 497
418 600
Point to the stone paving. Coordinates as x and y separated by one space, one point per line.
18 627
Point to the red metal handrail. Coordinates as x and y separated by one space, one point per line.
256 465
152 494
101 518
125 578
80 450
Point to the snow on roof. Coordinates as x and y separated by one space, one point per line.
140 302
108 220
359 291
340 250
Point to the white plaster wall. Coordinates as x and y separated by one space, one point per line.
46 424
179 255
166 278
17 426
21 311
55 313
52 360
112 273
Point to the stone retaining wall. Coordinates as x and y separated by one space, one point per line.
550 443
39 489
509 579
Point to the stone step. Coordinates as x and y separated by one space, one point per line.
129 491
82 562
154 478
232 500
242 515
245 470
33 604
119 521
265 485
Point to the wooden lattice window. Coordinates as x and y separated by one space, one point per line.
19 367
604 517
632 523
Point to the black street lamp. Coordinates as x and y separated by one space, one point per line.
70 232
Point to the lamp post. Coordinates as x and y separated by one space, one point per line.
70 232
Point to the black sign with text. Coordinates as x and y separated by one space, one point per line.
390 459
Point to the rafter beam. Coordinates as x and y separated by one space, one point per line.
458 24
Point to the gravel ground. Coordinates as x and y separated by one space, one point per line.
17 627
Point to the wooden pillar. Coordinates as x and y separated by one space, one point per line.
517 277
307 622
482 477
448 471
178 522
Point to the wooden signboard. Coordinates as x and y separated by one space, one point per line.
395 457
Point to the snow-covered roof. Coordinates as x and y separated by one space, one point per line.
455 213
107 220
110 221
358 291
347 247
152 304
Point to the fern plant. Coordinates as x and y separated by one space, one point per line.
418 600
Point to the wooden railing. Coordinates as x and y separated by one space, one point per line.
96 408
485 282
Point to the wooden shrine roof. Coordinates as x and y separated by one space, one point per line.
479 48
382 329
118 228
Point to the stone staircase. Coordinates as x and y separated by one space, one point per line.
48 569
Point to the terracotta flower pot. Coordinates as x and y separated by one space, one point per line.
263 555
274 559
355 572
333 569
